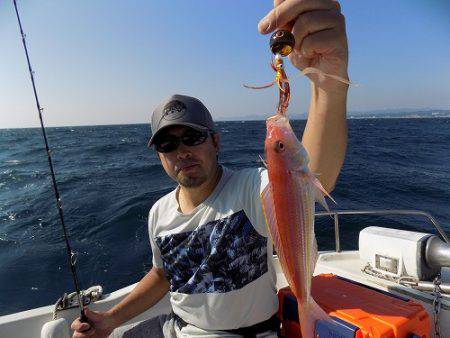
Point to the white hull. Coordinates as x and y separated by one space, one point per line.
28 324
347 264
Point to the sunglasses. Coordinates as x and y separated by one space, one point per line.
191 137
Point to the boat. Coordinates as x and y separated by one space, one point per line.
391 271
404 265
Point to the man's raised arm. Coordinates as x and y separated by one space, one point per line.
321 43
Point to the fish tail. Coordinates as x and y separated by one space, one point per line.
310 312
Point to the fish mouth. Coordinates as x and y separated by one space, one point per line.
277 117
276 120
274 117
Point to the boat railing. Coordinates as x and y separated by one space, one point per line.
335 214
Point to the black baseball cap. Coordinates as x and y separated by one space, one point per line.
181 110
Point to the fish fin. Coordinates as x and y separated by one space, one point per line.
269 214
310 312
320 193
263 161
271 221
320 198
315 254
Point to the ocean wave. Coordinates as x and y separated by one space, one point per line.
107 190
13 161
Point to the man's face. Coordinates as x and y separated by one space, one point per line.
190 166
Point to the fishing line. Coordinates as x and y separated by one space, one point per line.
70 253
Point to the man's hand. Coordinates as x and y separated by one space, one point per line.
320 39
100 325
152 287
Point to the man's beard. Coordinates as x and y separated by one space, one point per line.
191 182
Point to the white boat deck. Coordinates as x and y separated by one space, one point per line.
345 264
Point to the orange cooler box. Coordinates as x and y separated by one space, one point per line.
360 311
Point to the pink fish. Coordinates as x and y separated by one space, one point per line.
289 204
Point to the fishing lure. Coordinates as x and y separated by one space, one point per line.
281 44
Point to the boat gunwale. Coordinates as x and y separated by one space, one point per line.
379 212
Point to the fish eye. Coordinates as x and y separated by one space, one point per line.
279 147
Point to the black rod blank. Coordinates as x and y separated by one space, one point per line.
70 253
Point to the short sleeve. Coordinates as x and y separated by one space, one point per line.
156 254
254 182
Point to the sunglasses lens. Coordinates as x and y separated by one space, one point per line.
194 137
167 144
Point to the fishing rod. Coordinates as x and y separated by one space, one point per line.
70 253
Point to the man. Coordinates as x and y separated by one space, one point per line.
209 241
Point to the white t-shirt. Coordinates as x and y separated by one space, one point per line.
218 258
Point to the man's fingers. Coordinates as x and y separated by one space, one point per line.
76 324
313 22
84 333
92 315
337 5
322 42
82 330
276 3
287 11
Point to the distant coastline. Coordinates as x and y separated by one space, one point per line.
411 114
407 113
374 117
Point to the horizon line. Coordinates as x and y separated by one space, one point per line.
362 117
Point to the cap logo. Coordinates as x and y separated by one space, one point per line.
174 110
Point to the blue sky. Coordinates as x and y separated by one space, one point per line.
108 62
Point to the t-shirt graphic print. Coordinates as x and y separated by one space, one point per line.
220 256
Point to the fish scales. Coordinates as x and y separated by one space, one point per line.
294 204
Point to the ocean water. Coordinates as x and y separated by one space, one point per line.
108 180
